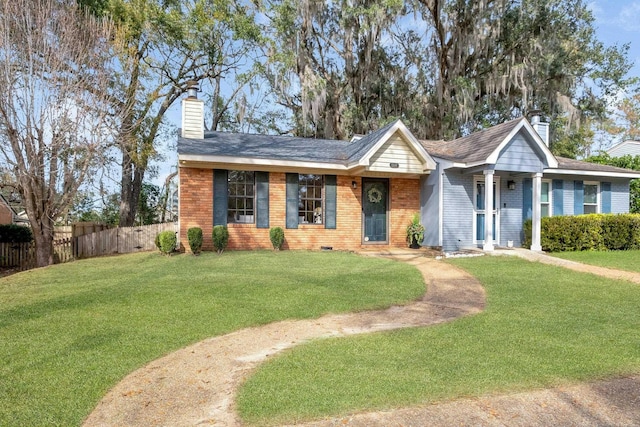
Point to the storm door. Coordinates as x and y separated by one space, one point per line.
375 202
480 210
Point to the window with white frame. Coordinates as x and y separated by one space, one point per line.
591 200
310 206
241 197
545 198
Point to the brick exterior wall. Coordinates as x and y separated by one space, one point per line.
196 204
6 215
196 210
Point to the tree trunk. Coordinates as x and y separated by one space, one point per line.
43 238
127 211
131 185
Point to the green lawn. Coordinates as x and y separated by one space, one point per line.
543 326
69 332
621 260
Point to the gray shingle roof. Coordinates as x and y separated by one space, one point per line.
280 147
472 148
265 147
578 165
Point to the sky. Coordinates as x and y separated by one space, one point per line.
617 22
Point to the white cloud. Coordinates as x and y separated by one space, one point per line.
628 17
596 9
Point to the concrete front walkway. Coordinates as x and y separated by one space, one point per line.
572 265
197 385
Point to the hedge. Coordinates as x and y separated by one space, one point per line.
12 233
592 232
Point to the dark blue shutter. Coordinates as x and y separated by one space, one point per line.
558 197
330 200
605 194
527 199
262 199
292 200
578 197
220 197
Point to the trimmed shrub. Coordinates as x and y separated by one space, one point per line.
168 241
276 234
220 238
194 236
13 233
592 232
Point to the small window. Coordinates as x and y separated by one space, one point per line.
591 197
241 197
545 199
310 192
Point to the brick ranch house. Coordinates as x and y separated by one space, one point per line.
350 195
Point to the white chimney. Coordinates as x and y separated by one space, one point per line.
192 113
540 127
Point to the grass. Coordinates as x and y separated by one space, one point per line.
621 260
543 326
70 332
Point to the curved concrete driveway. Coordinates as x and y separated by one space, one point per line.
197 385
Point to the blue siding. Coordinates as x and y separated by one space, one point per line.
430 207
511 212
519 156
457 211
620 196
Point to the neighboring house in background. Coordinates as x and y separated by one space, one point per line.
7 214
356 194
624 148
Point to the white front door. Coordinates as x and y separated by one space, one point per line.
479 209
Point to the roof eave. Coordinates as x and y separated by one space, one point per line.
211 162
630 175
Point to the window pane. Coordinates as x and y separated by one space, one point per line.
241 191
591 193
480 227
310 198
480 196
589 209
544 196
544 210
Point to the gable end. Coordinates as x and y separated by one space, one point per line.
396 156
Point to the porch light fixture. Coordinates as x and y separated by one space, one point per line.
354 185
511 185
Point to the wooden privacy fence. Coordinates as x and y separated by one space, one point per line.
23 257
119 240
20 255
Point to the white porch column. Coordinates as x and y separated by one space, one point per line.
488 211
536 212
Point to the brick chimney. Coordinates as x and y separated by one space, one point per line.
192 113
539 126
